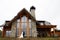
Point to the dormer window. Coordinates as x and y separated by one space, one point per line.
41 24
47 23
6 23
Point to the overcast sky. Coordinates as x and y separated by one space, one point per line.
48 10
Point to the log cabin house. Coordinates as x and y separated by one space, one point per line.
26 22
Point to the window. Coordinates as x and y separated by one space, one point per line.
18 25
41 23
24 19
8 33
24 25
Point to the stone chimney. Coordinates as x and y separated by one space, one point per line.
32 10
33 23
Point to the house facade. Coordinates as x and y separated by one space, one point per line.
26 23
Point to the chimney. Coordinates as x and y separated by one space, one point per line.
32 10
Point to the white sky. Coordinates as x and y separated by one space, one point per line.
48 10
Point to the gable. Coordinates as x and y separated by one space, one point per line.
22 13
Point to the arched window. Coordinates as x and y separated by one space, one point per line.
18 25
24 19
24 24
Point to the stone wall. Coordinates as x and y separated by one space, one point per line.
34 30
13 29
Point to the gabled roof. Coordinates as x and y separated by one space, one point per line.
22 13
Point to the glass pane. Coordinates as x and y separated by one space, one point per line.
30 32
24 25
8 33
17 32
18 20
18 23
24 19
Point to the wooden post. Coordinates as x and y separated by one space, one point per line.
54 31
28 29
50 33
3 32
20 28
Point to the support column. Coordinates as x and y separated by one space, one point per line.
20 28
3 33
28 28
54 31
50 33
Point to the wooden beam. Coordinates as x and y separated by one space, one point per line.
54 31
28 28
20 28
4 32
